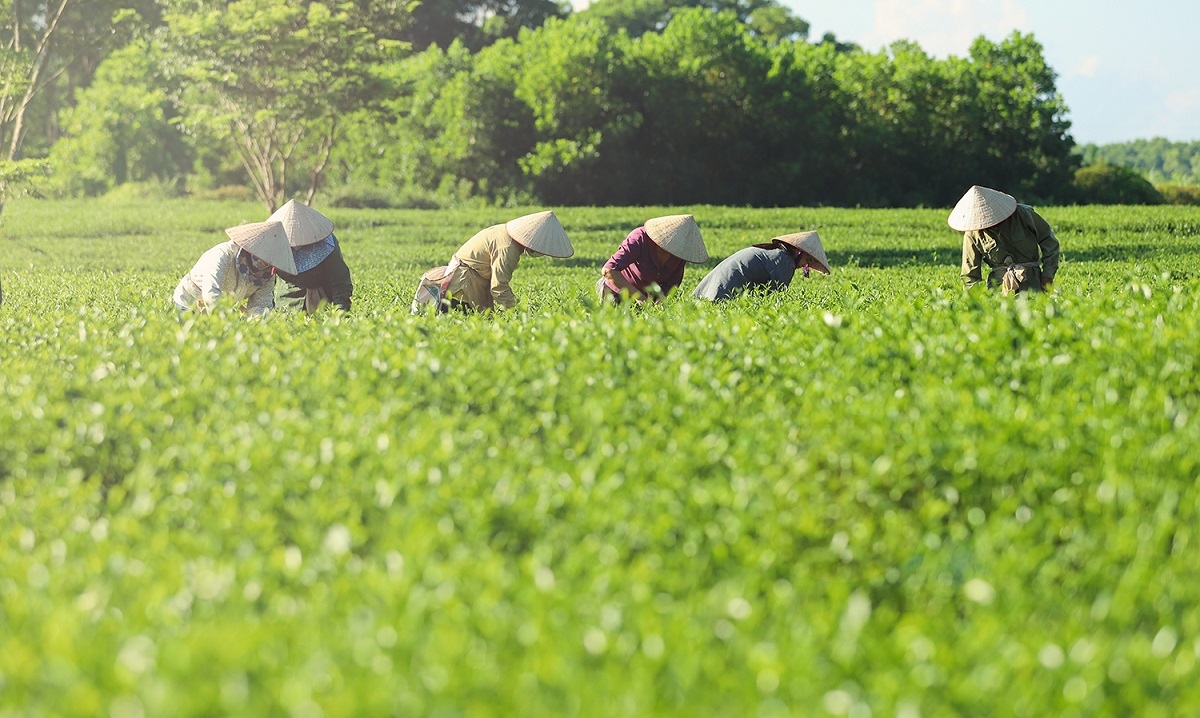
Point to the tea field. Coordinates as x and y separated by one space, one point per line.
874 494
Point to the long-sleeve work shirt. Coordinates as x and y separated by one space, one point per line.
635 261
216 277
1020 239
332 276
747 268
486 265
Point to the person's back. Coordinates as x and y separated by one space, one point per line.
746 269
768 265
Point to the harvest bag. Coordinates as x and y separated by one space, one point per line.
433 288
1022 277
313 299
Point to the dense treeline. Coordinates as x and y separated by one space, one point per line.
627 102
706 111
1159 160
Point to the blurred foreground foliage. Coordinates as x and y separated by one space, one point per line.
873 494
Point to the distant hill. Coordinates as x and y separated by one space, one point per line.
1159 160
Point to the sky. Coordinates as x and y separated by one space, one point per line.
1127 69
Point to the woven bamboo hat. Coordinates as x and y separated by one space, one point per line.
303 224
981 208
267 241
807 242
680 235
541 232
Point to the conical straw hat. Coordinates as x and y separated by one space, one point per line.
807 242
541 232
981 208
267 241
303 224
679 235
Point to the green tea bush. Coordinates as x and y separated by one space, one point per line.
871 494
374 197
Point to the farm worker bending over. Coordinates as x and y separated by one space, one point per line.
770 266
479 273
650 262
321 274
240 270
1008 237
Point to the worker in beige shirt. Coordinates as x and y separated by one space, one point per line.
479 274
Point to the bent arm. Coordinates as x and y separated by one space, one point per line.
208 274
1050 248
340 286
504 263
263 299
972 263
618 282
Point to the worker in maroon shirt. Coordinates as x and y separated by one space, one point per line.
650 262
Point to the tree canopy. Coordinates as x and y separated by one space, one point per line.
628 101
707 110
477 23
276 76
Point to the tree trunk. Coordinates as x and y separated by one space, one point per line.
34 75
314 178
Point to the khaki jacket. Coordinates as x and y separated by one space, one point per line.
486 265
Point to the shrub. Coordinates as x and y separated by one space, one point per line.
226 193
361 196
154 190
1187 194
1104 183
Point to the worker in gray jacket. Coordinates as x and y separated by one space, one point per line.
770 266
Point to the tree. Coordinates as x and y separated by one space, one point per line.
25 66
702 134
577 78
276 76
25 70
768 19
478 23
121 128
1158 159
53 46
1019 120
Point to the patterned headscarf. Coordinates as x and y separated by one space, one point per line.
310 255
252 269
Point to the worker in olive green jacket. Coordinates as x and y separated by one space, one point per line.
1014 241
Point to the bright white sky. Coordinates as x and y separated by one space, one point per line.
1128 69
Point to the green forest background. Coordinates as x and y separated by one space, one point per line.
390 103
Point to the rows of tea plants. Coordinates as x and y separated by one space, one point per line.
872 494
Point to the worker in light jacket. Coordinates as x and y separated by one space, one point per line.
240 272
479 274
